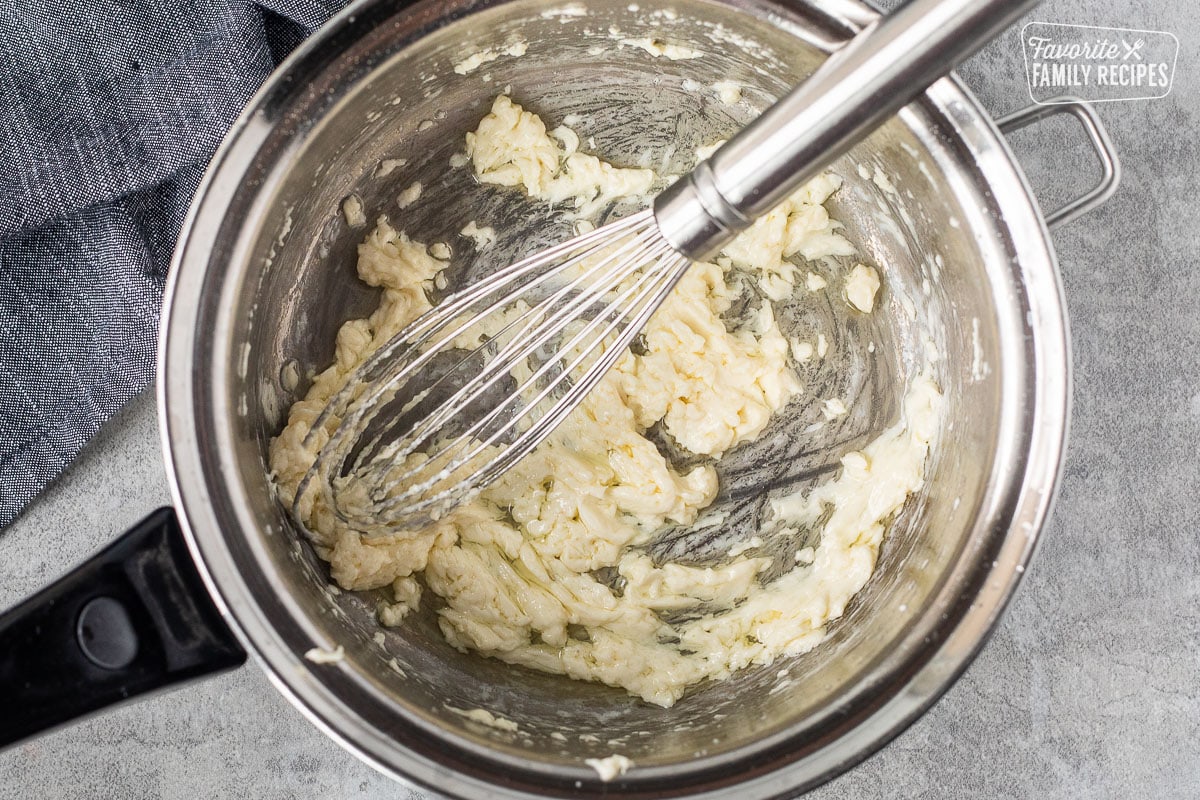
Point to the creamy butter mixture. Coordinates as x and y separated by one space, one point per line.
609 768
514 572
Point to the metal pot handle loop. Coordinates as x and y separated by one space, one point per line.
1110 165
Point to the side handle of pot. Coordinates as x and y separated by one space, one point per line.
133 618
1110 165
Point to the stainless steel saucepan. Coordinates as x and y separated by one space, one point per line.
265 276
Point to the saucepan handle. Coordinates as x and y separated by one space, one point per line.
1110 166
133 618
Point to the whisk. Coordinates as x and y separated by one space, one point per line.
472 386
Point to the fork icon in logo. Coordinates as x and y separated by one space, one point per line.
1131 50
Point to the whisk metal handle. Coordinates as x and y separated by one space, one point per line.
881 70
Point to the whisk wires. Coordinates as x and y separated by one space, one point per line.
473 386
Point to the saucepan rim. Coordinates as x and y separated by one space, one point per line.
209 507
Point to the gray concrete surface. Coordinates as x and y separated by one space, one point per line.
1090 687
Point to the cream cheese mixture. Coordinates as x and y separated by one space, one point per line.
514 571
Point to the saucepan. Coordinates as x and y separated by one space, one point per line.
264 276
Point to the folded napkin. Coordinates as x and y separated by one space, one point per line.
112 109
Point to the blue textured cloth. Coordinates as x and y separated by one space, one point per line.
112 109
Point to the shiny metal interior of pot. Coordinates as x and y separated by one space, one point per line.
948 288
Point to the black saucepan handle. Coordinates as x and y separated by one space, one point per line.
134 618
